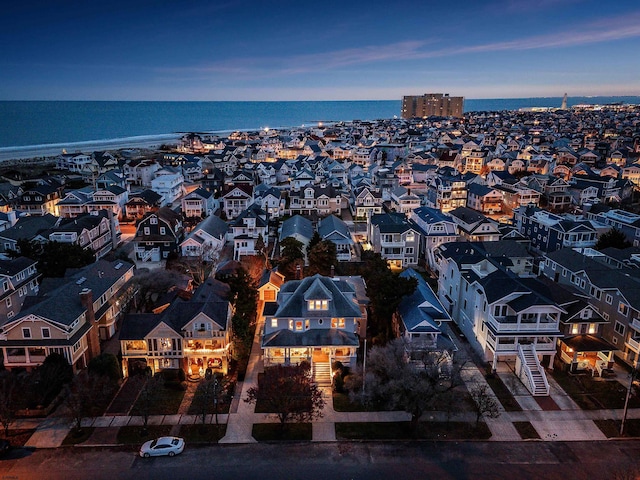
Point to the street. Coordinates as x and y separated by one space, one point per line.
369 460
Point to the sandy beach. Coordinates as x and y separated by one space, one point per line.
53 150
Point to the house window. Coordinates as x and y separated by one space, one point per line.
500 310
153 220
46 333
307 324
609 299
290 324
623 308
147 231
592 328
274 323
8 301
26 332
163 231
575 329
337 323
5 285
619 328
298 325
318 305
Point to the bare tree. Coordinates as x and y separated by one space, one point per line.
199 267
151 385
416 386
84 395
290 392
8 400
485 402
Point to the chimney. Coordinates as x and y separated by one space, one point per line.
11 216
333 271
93 340
298 272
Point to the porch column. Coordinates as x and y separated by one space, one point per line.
494 366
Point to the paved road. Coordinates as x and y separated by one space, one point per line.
425 460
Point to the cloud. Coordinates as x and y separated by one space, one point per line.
606 30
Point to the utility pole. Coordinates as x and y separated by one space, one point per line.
364 368
632 377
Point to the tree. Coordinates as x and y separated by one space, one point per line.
291 257
485 402
106 365
290 392
8 399
49 378
84 396
151 386
199 267
210 392
261 247
243 296
613 238
150 285
54 258
322 257
392 381
315 239
385 290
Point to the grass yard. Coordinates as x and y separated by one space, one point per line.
166 402
611 428
134 435
594 393
402 431
75 437
526 430
18 437
198 433
270 432
503 393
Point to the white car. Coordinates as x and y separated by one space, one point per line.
162 446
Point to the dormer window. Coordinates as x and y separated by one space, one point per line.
153 220
318 304
337 323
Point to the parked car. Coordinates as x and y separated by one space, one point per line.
162 446
5 446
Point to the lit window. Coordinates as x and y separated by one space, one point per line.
318 304
337 323
298 325
623 308
274 323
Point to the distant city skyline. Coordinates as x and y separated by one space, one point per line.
291 50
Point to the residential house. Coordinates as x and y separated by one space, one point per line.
613 291
206 240
19 279
474 226
141 203
403 201
69 316
436 228
549 232
25 228
236 199
199 203
269 285
366 201
504 317
39 200
98 231
299 228
245 230
157 235
140 171
395 237
168 182
418 321
193 335
484 199
316 200
336 231
315 320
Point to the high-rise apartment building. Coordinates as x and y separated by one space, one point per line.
432 104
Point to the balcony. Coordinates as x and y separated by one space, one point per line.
510 323
633 344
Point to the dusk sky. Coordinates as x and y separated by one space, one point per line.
330 50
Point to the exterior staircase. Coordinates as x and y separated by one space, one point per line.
322 374
530 372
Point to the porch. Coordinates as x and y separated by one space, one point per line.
587 353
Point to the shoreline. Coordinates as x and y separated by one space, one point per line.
8 154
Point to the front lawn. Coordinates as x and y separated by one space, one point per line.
594 393
74 437
402 431
269 432
166 401
503 394
526 430
342 403
198 433
135 435
611 428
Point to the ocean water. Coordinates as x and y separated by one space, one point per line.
33 125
